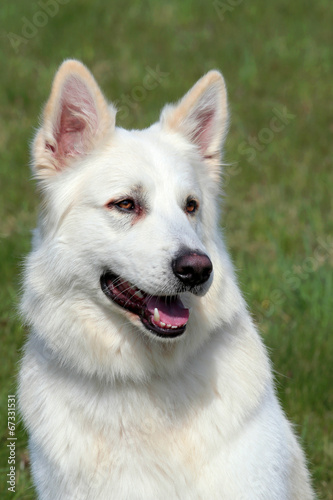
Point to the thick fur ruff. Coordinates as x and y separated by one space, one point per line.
116 407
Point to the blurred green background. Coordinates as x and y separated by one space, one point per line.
277 60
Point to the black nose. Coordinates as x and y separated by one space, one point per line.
192 268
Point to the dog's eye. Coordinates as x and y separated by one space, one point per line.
191 206
127 205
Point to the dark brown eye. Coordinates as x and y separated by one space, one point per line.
126 205
191 206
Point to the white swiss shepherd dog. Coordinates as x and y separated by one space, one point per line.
143 377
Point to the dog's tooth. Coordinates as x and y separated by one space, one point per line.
156 315
162 324
139 295
169 326
174 327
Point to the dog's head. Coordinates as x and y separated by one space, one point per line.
130 217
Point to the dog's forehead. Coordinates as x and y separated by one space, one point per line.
142 159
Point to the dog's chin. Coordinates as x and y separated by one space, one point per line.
161 316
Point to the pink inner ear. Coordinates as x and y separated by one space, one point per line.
203 133
77 120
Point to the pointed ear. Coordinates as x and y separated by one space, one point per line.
76 119
202 117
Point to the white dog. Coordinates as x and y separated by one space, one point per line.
143 376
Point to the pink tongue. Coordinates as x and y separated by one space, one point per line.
173 314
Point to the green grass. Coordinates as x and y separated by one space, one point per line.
278 200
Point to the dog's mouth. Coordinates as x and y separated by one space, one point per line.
165 316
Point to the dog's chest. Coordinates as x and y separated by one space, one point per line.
163 439
171 452
158 427
147 439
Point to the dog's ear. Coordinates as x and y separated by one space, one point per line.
202 117
76 119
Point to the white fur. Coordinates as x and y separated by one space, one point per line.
114 412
